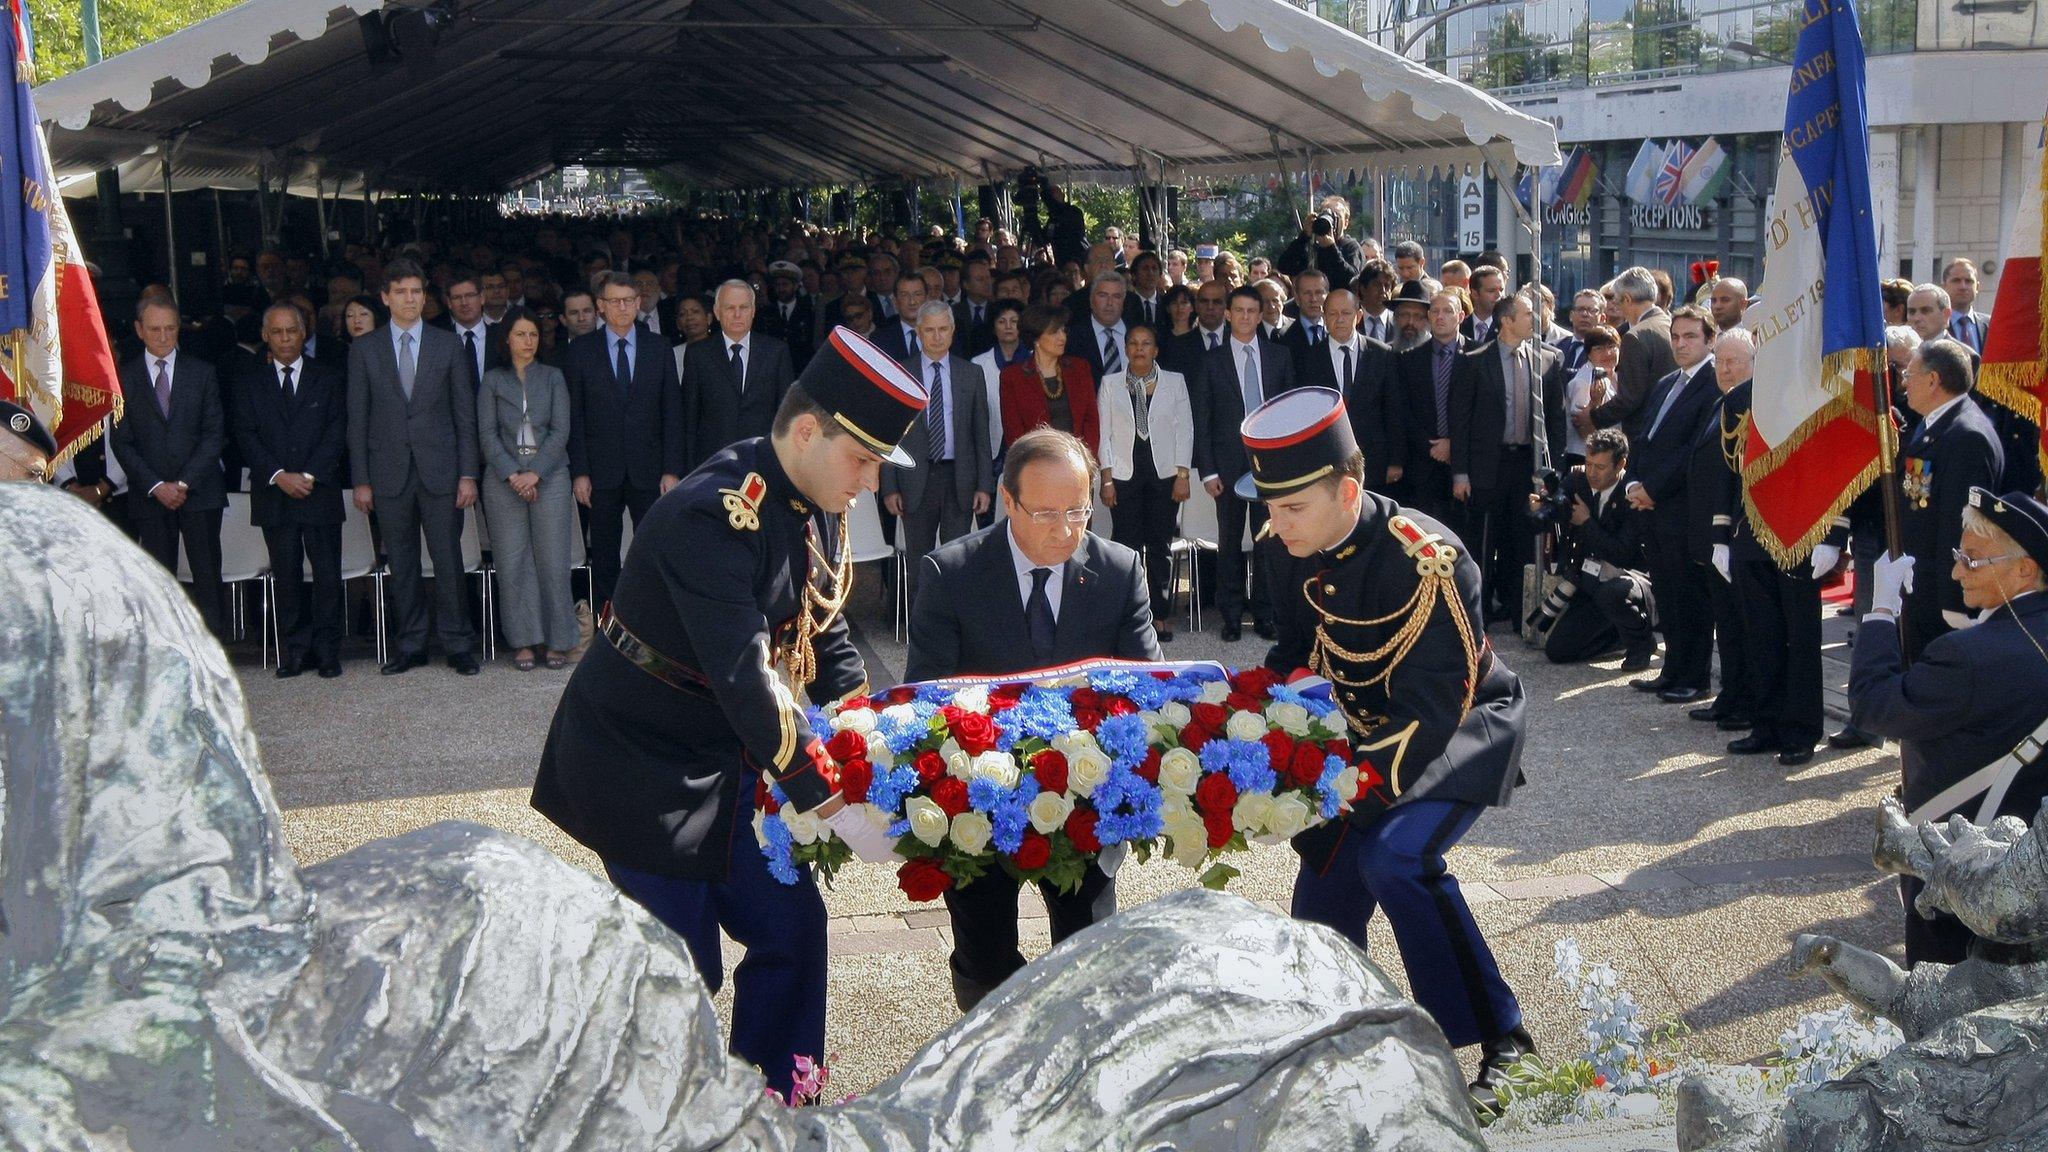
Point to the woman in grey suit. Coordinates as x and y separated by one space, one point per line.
522 419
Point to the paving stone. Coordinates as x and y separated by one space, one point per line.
1549 887
1644 880
891 940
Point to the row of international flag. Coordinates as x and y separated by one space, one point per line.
1668 173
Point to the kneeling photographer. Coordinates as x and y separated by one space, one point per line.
1603 599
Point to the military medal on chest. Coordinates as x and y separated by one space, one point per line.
1917 480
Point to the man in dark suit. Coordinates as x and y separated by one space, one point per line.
170 446
953 479
1954 449
292 421
788 316
1488 286
1245 372
1660 463
1363 371
477 335
1035 592
1425 382
1603 597
1713 489
734 381
897 334
1501 432
1185 353
1310 331
1930 314
413 458
972 327
1646 356
627 442
1967 325
1098 335
1145 302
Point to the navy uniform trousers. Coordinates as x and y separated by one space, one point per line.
1397 864
778 1002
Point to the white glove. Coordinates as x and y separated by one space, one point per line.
1721 563
1825 557
868 841
1112 858
1890 579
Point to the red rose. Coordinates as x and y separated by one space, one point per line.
847 745
855 703
854 778
1118 706
1279 749
1086 698
974 732
1034 853
765 799
1307 766
1193 737
950 793
930 766
1150 768
1210 718
1257 681
1089 719
1081 830
1005 698
922 879
1337 748
901 695
1215 794
1220 829
1050 766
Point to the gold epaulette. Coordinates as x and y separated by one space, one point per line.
1432 556
743 504
1436 568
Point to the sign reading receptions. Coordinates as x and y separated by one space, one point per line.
1678 217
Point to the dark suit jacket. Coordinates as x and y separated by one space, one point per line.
1957 451
971 339
308 433
1662 463
185 446
797 331
1379 415
1479 413
1415 369
1645 360
1613 533
969 615
431 437
626 437
973 455
1219 411
1712 488
1184 354
1134 311
890 337
1081 342
717 411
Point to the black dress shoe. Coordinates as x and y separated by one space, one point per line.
1734 723
1794 757
330 670
1705 711
1637 659
1232 633
1265 630
464 664
404 662
1849 738
1750 745
1650 684
1682 695
290 666
1495 1058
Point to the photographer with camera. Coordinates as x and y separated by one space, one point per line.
1323 245
1603 598
1064 229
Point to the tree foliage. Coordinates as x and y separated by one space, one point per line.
124 24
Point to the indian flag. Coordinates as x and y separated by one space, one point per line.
1704 174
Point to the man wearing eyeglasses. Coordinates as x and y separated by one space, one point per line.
1953 449
1971 713
1036 591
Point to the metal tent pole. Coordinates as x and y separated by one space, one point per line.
169 146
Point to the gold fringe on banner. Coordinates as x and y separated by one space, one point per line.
92 397
1839 365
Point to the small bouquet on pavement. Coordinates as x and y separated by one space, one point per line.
1044 773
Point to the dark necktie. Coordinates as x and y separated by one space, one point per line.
1215 341
977 314
1444 353
291 391
624 368
1315 334
1038 616
1347 370
935 416
163 390
739 367
1112 360
469 345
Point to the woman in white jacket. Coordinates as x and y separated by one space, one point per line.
1148 445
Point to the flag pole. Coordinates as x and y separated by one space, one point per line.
1887 475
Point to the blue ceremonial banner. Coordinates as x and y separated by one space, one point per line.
1811 446
25 185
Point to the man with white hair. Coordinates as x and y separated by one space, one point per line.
1645 351
733 382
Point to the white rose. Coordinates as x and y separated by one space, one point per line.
1176 713
1180 771
1000 767
1215 692
878 751
971 832
1085 770
1289 717
760 828
928 821
1176 807
973 699
1290 814
804 828
1049 812
1245 726
950 747
1074 743
1190 840
899 713
861 720
1347 783
959 765
1328 726
1251 812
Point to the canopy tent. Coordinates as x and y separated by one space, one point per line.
483 95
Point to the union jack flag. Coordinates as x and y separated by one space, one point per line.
1671 177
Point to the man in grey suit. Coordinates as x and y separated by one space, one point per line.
734 381
954 479
1646 356
1035 591
413 455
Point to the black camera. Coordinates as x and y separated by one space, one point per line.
1553 504
1323 224
1030 183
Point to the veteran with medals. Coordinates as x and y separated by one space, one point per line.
1952 449
1383 602
1971 714
680 711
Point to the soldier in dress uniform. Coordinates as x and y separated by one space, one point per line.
1383 602
678 710
1971 714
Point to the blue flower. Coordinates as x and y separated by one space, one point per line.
1326 786
1126 739
985 794
1127 808
1043 713
819 721
781 798
1115 680
1008 821
1318 702
1215 756
935 695
779 850
890 786
1151 695
1251 767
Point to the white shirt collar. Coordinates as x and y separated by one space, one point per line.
1243 344
1931 417
170 363
1024 564
480 328
925 359
298 368
746 343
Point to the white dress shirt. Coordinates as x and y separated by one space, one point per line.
483 345
1024 566
168 366
746 344
925 367
298 369
1336 349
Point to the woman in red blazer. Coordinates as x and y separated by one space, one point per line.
1048 386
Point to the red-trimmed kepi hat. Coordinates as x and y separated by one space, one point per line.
1295 439
868 393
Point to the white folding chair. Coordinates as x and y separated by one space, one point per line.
472 565
243 557
864 524
1198 532
359 561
